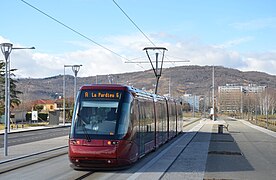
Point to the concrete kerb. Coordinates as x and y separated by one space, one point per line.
23 161
191 121
32 154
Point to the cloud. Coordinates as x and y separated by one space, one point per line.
95 60
98 61
3 40
200 54
234 42
264 62
255 24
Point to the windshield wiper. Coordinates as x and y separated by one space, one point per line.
84 129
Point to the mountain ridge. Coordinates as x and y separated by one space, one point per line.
194 79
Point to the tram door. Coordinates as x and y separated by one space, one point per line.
142 129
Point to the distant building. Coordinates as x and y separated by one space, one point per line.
192 100
48 105
238 99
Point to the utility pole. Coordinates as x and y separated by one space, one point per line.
266 109
158 67
214 93
170 87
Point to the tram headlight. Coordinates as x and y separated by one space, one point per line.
75 142
111 143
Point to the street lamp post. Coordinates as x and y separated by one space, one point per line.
64 95
6 49
76 67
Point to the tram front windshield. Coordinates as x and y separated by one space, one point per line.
97 114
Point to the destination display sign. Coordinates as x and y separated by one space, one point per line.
102 94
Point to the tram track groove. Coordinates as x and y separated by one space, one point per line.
85 175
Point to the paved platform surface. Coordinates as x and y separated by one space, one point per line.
245 151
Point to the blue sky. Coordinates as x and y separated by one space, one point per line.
237 34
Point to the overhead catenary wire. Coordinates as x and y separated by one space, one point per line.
153 61
183 59
134 23
77 32
138 28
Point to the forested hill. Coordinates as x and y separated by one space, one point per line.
183 79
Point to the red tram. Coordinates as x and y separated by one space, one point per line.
114 125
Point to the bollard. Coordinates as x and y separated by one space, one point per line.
220 129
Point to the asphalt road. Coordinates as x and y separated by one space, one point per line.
34 135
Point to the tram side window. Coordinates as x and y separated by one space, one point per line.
173 109
135 113
179 111
124 122
146 116
150 121
149 112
